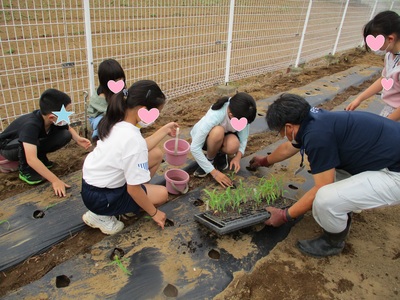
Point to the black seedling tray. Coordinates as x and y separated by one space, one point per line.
227 225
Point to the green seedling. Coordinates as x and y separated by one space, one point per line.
49 206
265 192
6 221
116 256
118 262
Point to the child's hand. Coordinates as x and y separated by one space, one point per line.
59 188
172 127
221 178
353 105
235 164
160 218
84 143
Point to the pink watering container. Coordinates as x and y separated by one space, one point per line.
178 158
177 181
7 166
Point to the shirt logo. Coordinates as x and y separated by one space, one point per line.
314 110
144 166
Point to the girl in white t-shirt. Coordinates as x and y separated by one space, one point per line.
384 26
116 173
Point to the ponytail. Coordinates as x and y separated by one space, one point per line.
115 113
142 93
220 102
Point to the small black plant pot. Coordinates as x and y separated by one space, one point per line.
227 224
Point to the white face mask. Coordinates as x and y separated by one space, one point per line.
142 124
61 123
285 137
382 52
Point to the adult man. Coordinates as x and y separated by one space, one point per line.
357 146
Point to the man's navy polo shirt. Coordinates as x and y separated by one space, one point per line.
353 141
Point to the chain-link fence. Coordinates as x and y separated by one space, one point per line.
184 45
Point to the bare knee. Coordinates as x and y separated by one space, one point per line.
216 135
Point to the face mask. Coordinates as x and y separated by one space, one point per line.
285 137
61 123
142 124
293 140
382 52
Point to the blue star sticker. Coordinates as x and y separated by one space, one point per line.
63 115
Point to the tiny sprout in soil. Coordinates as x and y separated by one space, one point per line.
244 196
116 256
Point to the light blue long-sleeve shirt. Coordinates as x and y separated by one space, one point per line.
201 130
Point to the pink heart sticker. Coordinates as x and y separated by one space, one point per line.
116 87
238 125
387 83
148 116
375 43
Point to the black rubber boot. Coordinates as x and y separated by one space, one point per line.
327 244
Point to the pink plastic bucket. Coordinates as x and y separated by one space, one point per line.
178 158
177 181
7 166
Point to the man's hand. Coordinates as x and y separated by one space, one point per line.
278 216
258 161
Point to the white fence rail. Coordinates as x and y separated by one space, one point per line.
184 45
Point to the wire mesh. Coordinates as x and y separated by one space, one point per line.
181 44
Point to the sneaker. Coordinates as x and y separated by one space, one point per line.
221 161
107 224
30 176
199 173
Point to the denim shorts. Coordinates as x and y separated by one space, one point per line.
109 202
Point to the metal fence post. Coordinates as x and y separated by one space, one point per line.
340 27
229 41
89 48
303 33
370 18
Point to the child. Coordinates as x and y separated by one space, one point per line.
387 24
216 134
116 172
30 137
109 69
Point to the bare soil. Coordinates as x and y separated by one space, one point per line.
367 269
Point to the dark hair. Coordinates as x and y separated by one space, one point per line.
142 93
108 70
242 105
385 23
288 108
53 100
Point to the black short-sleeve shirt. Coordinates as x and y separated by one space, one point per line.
354 141
28 128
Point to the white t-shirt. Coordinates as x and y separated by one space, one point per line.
121 158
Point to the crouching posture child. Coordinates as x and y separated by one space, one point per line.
116 173
32 136
223 131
